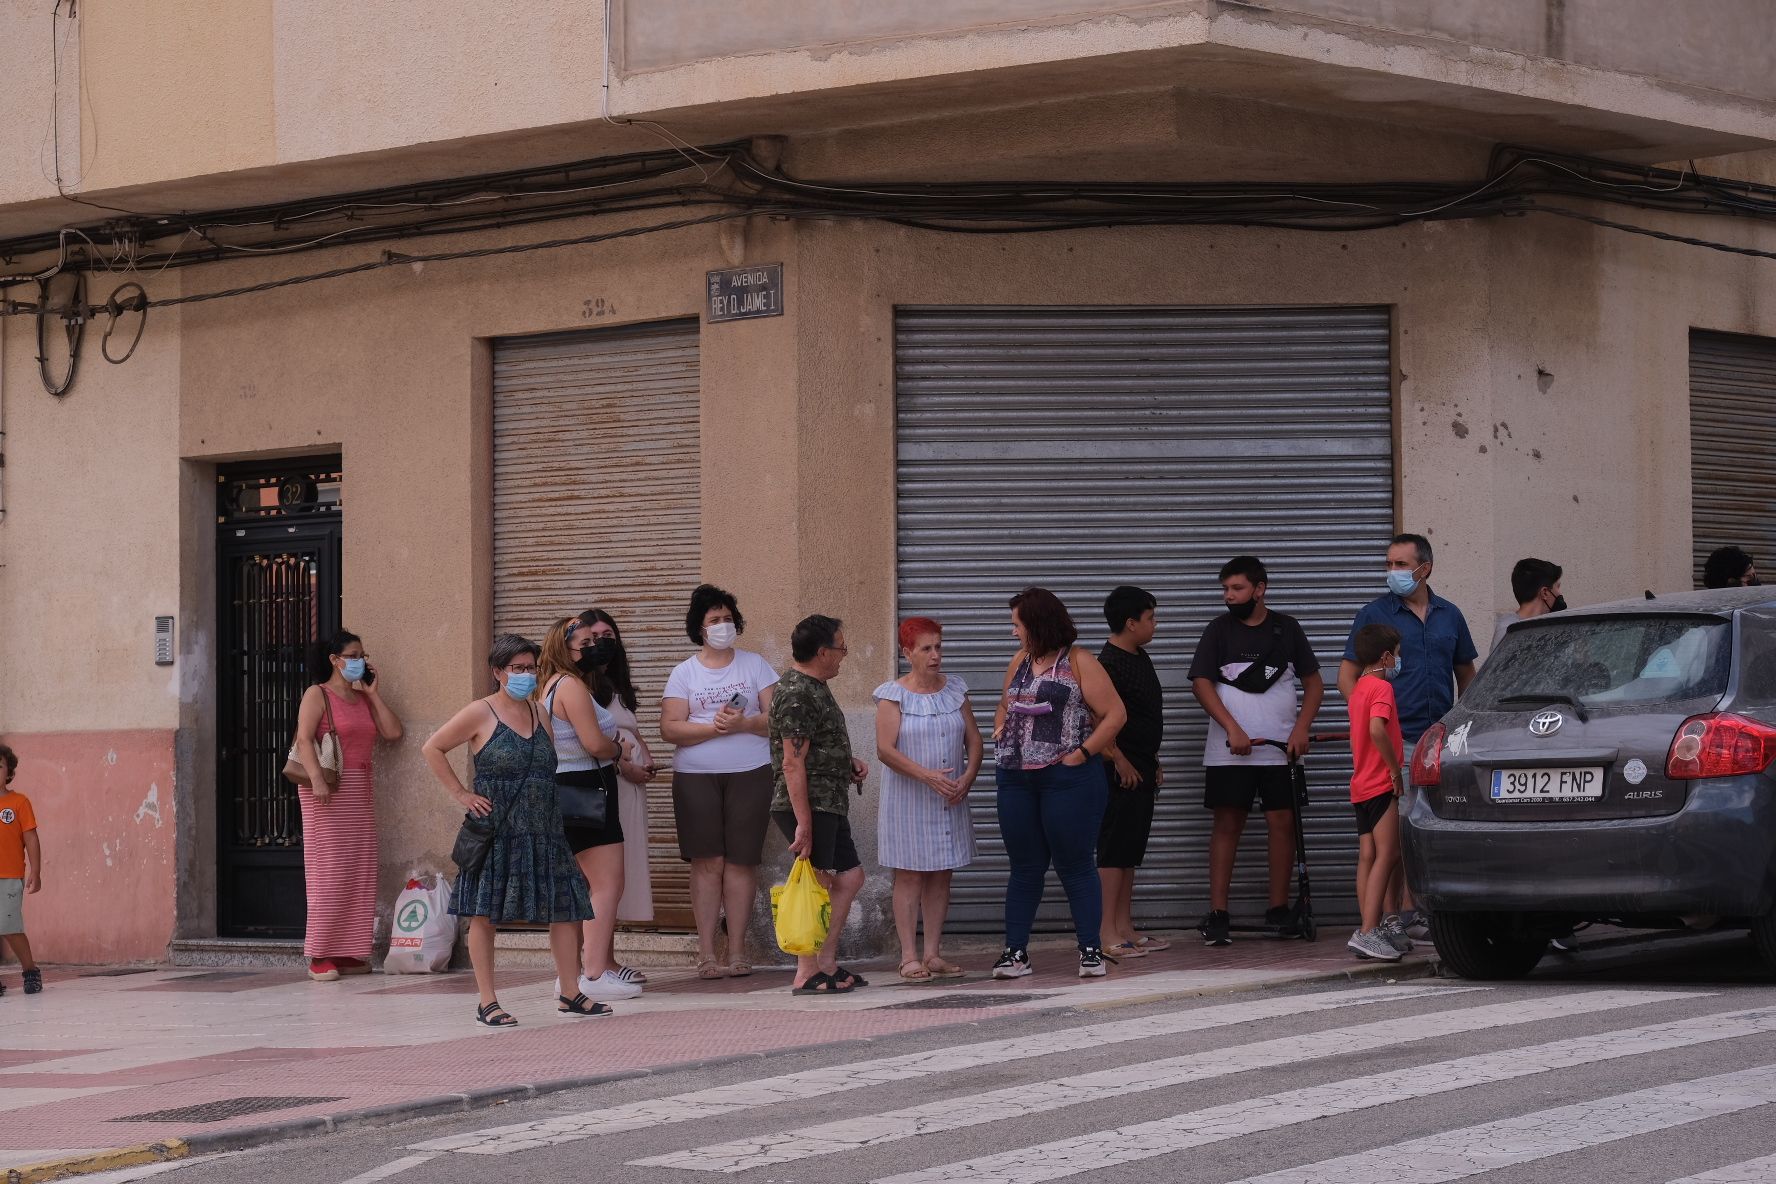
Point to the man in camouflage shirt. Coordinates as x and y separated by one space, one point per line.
814 769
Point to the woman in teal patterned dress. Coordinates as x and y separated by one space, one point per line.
530 874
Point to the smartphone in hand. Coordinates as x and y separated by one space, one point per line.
737 702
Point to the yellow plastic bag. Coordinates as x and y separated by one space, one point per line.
802 911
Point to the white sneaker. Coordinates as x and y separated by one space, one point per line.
605 986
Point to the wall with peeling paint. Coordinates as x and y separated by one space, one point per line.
105 807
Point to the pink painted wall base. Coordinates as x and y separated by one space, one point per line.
104 804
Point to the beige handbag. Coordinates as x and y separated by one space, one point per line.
327 748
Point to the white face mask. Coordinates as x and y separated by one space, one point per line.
720 635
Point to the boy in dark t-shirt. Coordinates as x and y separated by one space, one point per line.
1245 673
1132 768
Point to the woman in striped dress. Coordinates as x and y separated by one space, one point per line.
339 821
930 748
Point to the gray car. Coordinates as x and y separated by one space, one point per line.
1612 764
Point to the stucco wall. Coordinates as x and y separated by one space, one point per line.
105 803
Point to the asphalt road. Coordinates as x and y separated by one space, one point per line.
1633 1065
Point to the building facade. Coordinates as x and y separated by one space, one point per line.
462 437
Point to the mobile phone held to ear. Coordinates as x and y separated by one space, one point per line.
369 678
737 702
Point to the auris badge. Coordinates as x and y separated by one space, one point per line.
1545 723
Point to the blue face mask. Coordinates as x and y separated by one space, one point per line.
354 669
1402 583
521 686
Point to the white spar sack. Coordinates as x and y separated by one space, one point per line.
424 932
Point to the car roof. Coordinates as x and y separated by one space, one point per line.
1722 601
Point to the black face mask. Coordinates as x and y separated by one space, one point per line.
1559 605
1243 610
597 656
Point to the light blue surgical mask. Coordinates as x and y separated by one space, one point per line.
354 669
1402 583
521 686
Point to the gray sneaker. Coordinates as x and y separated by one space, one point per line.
1418 926
1373 944
1395 932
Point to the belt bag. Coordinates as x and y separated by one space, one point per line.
1264 672
585 796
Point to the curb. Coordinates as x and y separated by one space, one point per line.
244 1138
164 1151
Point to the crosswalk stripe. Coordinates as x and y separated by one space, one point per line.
726 1099
1457 1155
1149 1140
1752 1171
1016 1101
392 1168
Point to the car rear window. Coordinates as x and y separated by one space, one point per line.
1612 661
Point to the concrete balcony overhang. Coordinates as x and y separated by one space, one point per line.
1348 68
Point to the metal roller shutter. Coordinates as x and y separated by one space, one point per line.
1081 448
596 501
1733 446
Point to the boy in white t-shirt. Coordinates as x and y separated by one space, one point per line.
1245 673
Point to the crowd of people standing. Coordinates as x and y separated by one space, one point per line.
558 793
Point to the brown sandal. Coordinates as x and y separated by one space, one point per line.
939 968
708 968
921 972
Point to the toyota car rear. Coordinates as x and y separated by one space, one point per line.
1607 764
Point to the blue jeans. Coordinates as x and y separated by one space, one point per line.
1046 816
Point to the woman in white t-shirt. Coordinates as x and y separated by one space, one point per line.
715 711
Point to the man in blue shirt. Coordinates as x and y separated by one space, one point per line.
1436 651
1436 657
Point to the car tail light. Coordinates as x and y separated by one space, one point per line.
1427 758
1720 746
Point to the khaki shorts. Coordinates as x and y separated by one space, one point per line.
12 906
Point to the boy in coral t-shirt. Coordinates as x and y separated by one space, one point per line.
1376 781
21 869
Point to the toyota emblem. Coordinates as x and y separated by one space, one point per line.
1545 723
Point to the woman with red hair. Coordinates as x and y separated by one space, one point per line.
930 748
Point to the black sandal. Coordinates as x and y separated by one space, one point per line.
494 1016
857 980
580 1005
822 983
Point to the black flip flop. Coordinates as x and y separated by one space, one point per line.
857 980
820 983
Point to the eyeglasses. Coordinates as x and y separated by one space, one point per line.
838 649
519 669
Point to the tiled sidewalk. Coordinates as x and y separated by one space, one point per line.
100 1058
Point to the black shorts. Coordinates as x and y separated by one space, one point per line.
1128 821
1369 811
1236 787
834 851
584 838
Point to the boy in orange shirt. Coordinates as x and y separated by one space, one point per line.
1376 781
21 869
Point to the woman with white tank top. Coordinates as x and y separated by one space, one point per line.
585 755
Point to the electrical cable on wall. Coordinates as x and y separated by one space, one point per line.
733 184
